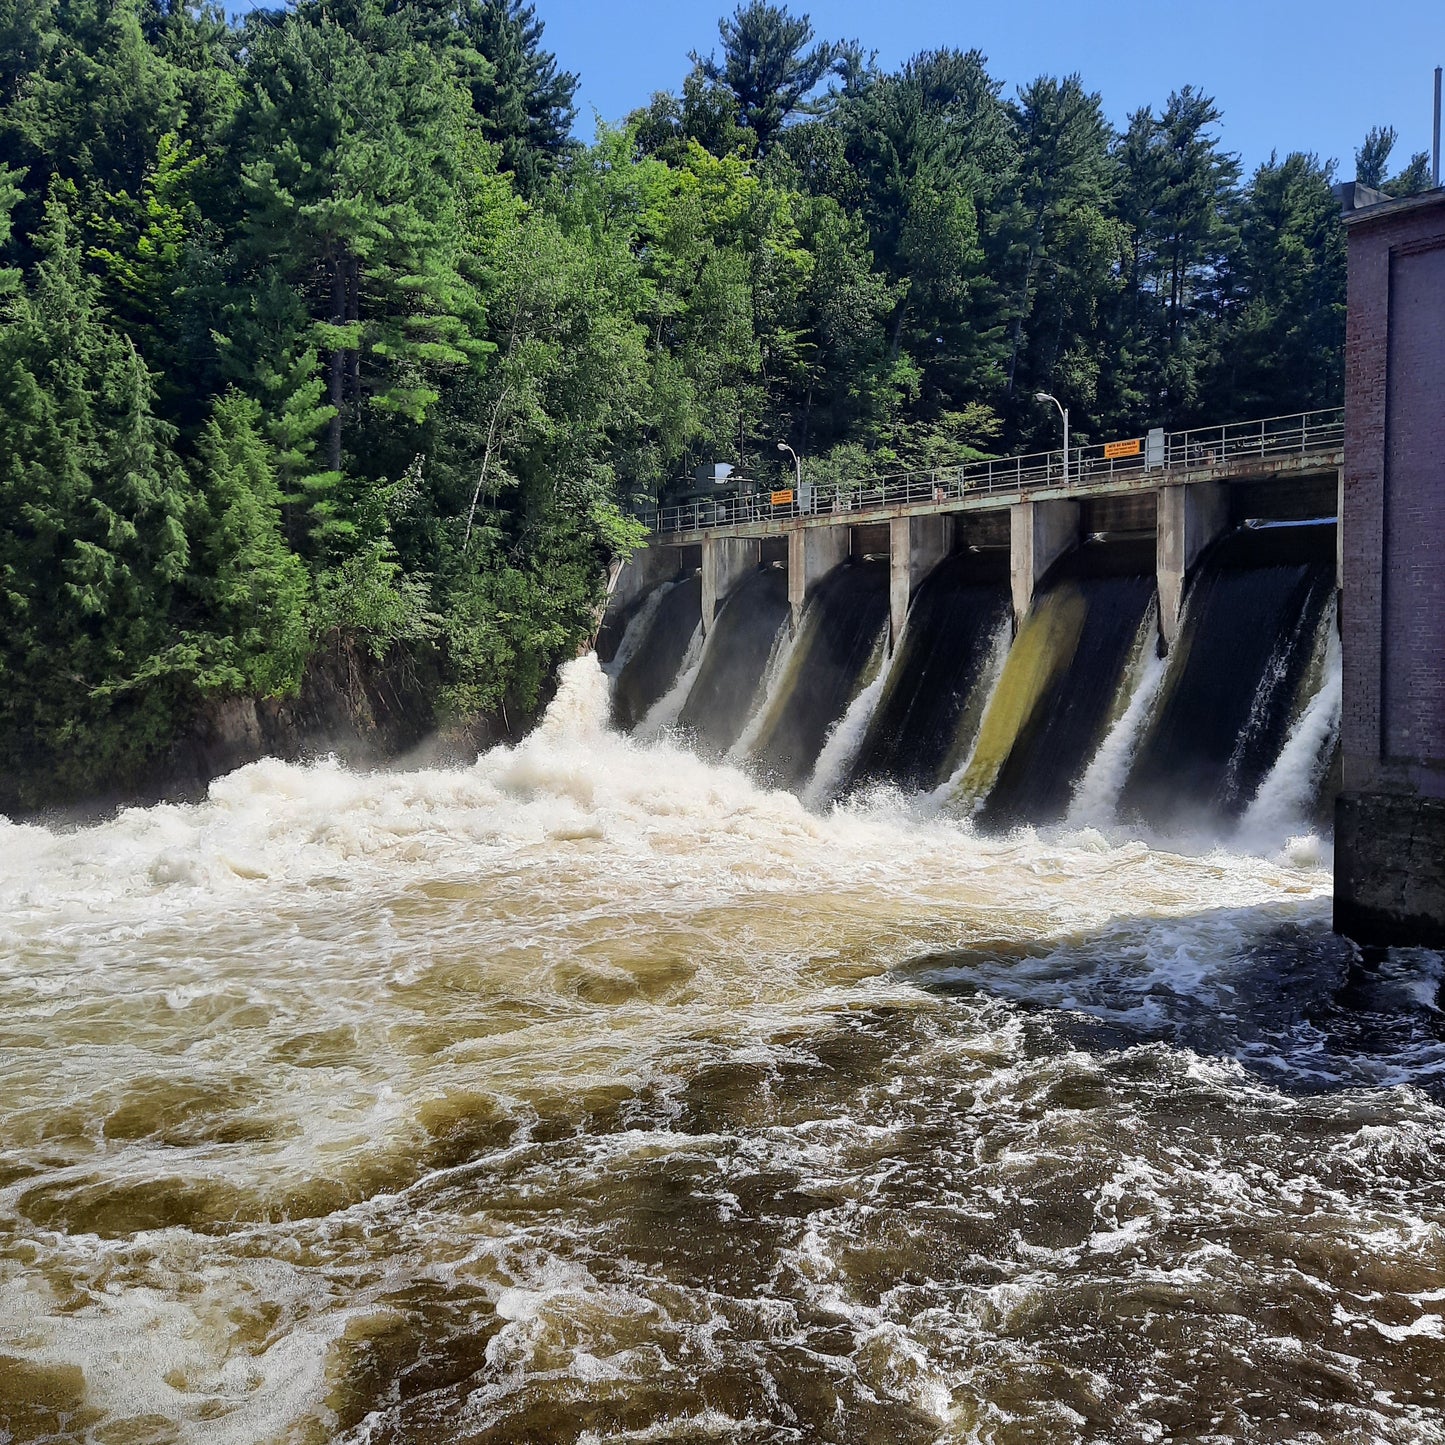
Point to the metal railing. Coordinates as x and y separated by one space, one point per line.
1089 468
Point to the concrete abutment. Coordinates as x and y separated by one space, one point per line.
725 562
1039 534
813 552
1188 519
916 545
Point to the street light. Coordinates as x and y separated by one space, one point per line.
803 500
797 465
1063 412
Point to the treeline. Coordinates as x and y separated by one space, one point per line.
320 332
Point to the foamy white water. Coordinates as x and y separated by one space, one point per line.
593 1092
846 735
1096 799
1281 807
774 675
983 688
664 713
637 629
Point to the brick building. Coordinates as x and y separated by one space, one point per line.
1390 818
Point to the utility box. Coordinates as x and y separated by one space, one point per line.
1154 450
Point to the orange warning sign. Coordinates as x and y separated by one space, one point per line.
1130 448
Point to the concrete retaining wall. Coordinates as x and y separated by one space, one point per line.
916 545
1189 519
725 562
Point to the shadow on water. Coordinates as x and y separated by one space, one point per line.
1296 1006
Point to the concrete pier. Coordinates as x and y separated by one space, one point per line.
1039 534
813 552
916 545
1189 518
1390 817
725 561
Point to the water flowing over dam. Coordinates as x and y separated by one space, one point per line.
923 724
597 1092
891 996
1012 730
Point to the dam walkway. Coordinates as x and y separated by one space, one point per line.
1183 488
1307 443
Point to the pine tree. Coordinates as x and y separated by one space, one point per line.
525 102
349 245
1056 239
251 589
1283 328
769 66
94 543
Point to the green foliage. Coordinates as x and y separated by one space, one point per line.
767 69
320 333
252 589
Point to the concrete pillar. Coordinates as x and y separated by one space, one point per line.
1039 534
1189 518
813 552
916 545
725 561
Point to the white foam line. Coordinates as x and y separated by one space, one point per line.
845 737
773 675
1096 799
666 710
1280 806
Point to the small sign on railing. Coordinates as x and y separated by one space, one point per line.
1114 450
781 499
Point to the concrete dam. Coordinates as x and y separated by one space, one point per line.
1149 644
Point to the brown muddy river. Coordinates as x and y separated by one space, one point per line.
592 1094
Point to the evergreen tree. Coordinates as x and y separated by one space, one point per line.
526 103
348 160
1374 155
769 66
251 589
94 543
1283 327
1055 237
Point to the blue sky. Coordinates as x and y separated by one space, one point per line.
1288 75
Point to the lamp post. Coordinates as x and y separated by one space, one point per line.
798 473
1063 412
797 465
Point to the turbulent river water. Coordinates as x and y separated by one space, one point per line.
593 1093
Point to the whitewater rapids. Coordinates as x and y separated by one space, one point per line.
593 1093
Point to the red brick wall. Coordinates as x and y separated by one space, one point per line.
1393 727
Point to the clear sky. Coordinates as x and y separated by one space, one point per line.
1288 74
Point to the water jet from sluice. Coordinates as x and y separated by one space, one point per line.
1082 720
342 1104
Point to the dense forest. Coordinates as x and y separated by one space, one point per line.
320 332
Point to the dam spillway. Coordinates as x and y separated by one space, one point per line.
923 722
1144 660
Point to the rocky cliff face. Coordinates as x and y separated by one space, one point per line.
366 713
